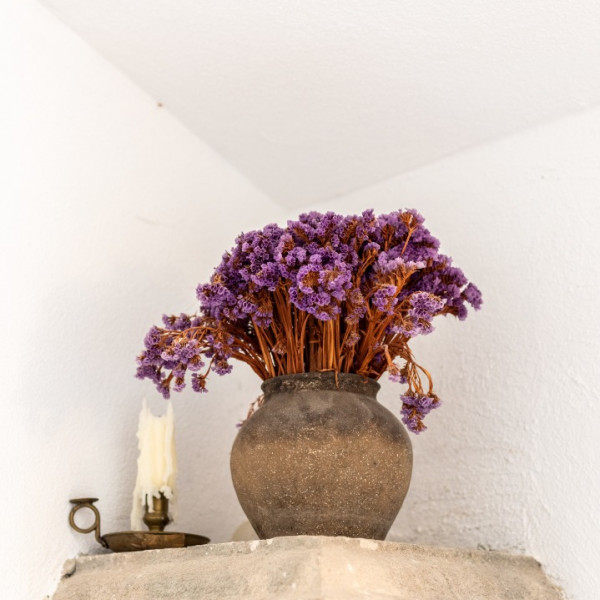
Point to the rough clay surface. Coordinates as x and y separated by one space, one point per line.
303 567
321 457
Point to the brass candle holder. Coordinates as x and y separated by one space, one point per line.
155 518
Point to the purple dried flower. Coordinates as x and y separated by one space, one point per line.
198 383
384 299
179 384
414 409
425 306
473 296
152 337
396 374
221 367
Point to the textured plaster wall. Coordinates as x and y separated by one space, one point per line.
111 214
313 99
511 460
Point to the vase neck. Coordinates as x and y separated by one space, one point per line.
321 380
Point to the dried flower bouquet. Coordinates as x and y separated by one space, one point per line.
326 293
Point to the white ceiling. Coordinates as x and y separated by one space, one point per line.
312 99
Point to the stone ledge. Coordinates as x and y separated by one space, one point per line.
306 568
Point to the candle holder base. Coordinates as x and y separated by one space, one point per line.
132 541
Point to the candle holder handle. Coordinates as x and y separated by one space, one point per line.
80 503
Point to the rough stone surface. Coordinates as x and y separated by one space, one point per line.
307 568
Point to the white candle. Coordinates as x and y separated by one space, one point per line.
157 465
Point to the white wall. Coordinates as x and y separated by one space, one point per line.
511 460
111 214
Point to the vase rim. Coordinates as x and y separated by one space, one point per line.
321 380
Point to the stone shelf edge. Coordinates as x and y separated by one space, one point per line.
306 567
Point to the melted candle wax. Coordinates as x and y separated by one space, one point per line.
156 463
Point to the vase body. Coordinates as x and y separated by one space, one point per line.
321 457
